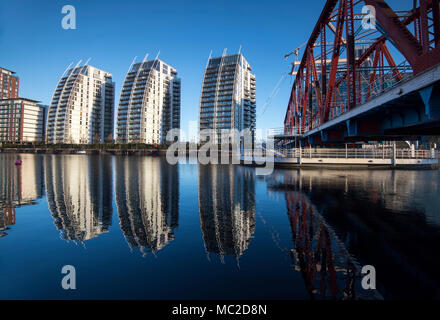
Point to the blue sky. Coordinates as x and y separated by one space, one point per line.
112 33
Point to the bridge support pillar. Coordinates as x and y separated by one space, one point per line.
431 99
352 128
393 160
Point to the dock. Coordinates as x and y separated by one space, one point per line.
345 158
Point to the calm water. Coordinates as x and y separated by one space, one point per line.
135 227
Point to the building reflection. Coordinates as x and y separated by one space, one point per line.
147 198
79 194
226 208
19 185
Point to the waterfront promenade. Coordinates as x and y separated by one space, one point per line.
347 158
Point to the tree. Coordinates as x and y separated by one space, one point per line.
109 138
96 138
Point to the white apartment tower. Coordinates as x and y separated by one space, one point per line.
82 108
228 99
149 105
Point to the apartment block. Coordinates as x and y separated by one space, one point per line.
228 98
9 84
82 107
22 120
149 104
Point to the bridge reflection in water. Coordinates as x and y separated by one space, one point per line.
342 220
328 269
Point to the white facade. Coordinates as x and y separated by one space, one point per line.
149 105
228 99
82 107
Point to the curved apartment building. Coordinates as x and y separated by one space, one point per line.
82 108
228 99
149 105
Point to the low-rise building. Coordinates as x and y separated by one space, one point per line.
22 120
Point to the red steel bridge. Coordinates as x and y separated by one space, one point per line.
360 81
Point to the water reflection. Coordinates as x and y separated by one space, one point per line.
19 185
79 195
328 269
226 208
325 224
383 218
147 198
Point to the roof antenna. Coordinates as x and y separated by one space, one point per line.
239 50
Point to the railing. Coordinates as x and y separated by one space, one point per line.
282 131
388 81
349 153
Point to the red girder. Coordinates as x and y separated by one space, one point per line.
436 21
416 52
419 45
335 62
373 74
351 65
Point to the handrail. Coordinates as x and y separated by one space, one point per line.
380 153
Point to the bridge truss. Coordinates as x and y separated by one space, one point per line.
347 62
